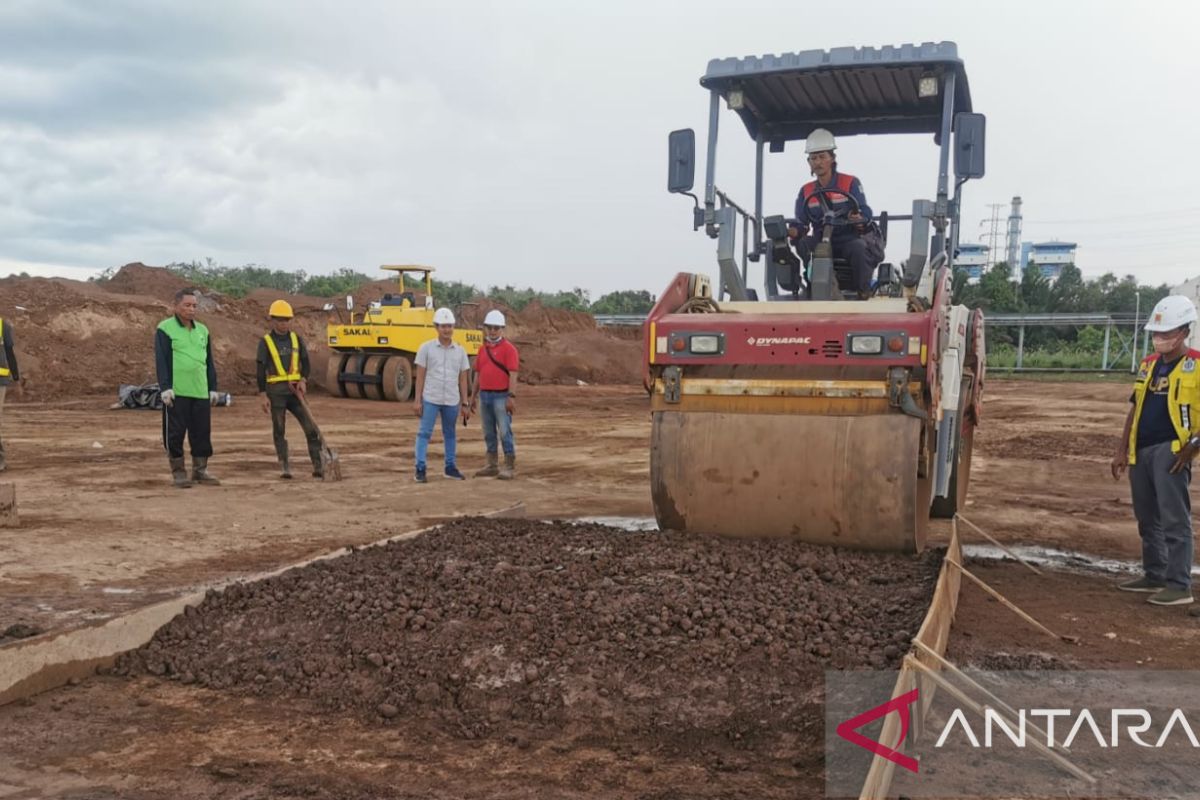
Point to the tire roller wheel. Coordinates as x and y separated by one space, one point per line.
373 366
354 363
332 370
842 481
398 378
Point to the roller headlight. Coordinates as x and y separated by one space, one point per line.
866 345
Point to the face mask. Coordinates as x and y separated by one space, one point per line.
1164 346
492 339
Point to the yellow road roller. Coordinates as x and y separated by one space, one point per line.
373 351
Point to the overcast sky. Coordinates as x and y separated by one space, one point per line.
525 142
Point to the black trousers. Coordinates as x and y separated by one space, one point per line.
281 404
852 249
192 417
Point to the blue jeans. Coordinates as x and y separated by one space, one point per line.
496 418
429 413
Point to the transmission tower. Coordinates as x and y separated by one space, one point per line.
992 236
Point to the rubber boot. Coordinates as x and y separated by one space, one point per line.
281 453
491 470
314 455
179 474
200 473
509 470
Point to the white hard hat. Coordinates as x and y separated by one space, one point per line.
443 316
1173 311
494 317
819 141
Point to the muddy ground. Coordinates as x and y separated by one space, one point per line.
103 532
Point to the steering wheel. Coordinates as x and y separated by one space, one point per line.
838 217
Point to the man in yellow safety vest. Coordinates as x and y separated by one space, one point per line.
1159 442
283 375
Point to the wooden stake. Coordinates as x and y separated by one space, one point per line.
978 708
980 583
950 667
996 542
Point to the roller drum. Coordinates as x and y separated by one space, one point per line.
849 481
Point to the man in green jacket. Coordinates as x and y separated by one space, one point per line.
187 382
9 373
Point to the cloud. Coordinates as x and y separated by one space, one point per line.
518 142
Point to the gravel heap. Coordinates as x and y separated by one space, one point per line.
489 625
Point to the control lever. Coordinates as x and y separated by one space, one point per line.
787 264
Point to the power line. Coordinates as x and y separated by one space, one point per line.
1194 210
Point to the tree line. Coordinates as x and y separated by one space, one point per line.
240 281
1001 291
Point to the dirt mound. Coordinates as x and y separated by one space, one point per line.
566 347
483 624
137 278
76 338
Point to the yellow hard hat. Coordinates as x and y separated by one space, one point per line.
281 309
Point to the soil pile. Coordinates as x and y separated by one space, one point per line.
77 338
486 626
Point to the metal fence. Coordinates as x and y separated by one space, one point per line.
1120 337
620 319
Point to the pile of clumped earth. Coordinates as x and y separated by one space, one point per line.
484 625
78 337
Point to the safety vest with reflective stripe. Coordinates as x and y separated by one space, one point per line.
5 372
1183 399
292 375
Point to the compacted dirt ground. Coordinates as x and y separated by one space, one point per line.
103 532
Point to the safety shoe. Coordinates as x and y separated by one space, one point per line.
491 470
509 470
420 476
200 473
1171 597
179 474
1142 585
285 471
452 472
1194 611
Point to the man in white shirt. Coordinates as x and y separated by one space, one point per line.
442 370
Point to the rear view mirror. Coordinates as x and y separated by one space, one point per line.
349 302
681 166
969 147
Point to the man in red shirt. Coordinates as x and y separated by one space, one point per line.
494 380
